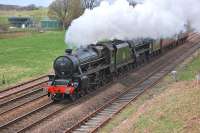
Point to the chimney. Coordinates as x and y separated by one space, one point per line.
68 51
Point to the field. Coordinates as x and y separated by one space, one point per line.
39 12
3 20
29 56
168 107
36 14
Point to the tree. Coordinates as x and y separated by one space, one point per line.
75 10
132 3
59 9
89 4
65 11
30 7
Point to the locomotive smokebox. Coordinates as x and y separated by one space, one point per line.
68 51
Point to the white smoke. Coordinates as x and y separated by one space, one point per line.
119 20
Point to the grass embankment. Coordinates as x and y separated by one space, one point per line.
168 107
29 56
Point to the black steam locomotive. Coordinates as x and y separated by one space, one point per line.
76 73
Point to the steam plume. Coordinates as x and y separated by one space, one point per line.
119 20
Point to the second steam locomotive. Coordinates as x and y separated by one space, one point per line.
78 72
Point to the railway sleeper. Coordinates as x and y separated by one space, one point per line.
120 102
159 74
100 116
130 97
94 120
110 108
133 92
152 79
86 127
91 123
76 131
138 92
117 105
113 107
125 100
126 97
104 113
139 89
80 130
110 111
145 86
146 82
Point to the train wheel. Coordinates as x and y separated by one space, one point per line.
86 90
73 97
48 94
82 93
54 98
78 93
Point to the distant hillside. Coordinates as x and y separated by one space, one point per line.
36 14
16 7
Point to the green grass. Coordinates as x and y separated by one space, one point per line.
132 108
173 111
191 70
152 122
29 56
36 14
167 116
3 20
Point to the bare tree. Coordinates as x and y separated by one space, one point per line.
75 10
89 4
132 3
65 11
59 9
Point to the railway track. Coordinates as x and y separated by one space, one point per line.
20 101
24 120
53 113
102 115
21 88
20 95
36 116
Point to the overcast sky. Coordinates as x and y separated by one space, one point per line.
44 3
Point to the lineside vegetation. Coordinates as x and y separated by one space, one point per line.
168 107
27 57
